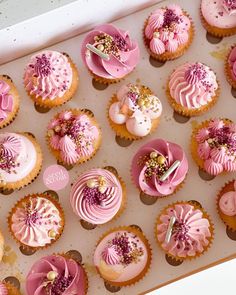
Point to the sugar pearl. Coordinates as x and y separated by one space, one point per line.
153 155
91 183
51 275
161 160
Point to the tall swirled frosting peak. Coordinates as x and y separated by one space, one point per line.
48 75
6 100
122 51
193 85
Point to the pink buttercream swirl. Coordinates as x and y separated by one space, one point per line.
10 148
167 29
217 146
136 107
227 202
96 196
6 100
73 136
232 62
152 160
69 280
122 51
193 85
3 289
48 75
110 255
190 234
32 222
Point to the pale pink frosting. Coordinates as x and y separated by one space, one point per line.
136 109
147 178
73 136
6 100
227 202
193 85
217 13
70 277
92 205
31 224
3 289
167 28
232 62
122 50
123 244
217 146
48 75
190 234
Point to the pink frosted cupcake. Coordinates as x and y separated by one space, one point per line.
109 53
8 289
168 32
56 274
230 67
213 146
98 196
73 136
159 168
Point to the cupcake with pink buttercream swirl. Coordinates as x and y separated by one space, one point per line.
213 146
192 89
159 168
168 32
184 230
57 274
226 204
73 136
134 111
230 66
50 78
109 53
97 196
36 221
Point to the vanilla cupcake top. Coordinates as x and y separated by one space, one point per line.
48 75
167 28
136 107
193 85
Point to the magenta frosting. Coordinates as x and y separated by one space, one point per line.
122 50
167 28
70 277
190 233
232 62
6 100
146 170
217 146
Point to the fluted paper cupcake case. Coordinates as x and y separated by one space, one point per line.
55 203
143 238
104 80
58 101
215 31
229 221
97 145
33 174
228 74
170 55
205 215
12 290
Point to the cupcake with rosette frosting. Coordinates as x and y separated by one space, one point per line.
213 146
36 221
109 53
20 160
134 111
168 32
184 230
7 288
230 66
98 196
226 204
122 256
159 168
50 78
192 89
73 136
56 274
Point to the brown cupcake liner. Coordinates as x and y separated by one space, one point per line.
2 241
205 215
170 55
97 144
12 290
58 101
228 73
229 221
19 203
143 238
16 102
32 175
121 130
215 31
